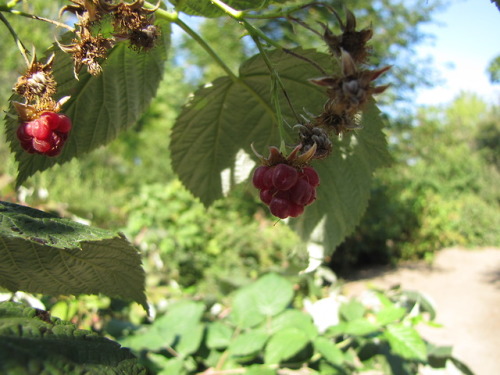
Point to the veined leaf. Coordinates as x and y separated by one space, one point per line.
100 107
33 343
41 253
228 115
406 342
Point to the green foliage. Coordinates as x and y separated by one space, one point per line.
32 343
41 253
262 334
98 115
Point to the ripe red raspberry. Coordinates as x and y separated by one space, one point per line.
284 176
45 135
301 192
311 176
280 207
258 177
296 210
266 195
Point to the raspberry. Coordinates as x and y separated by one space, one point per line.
267 195
280 207
296 210
40 129
258 177
301 192
311 176
44 135
284 176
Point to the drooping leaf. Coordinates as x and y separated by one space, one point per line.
229 115
33 343
284 345
406 342
206 8
100 106
41 253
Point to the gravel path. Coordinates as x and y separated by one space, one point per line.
465 287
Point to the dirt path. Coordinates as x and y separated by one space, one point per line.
465 286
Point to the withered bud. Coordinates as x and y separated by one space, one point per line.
312 135
350 40
38 82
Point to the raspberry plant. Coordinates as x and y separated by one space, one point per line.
315 111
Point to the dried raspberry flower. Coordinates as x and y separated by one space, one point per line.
38 82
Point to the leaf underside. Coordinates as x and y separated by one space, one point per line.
100 106
41 253
227 116
33 343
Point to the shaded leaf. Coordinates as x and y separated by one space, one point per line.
406 342
462 366
228 115
284 345
100 107
41 253
32 343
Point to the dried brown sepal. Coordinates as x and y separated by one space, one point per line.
89 11
88 50
38 83
350 40
29 112
315 136
295 158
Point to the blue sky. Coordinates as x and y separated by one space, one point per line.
467 39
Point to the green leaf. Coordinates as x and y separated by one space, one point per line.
360 327
406 342
462 366
294 319
329 350
352 310
32 343
284 345
206 8
390 314
180 328
248 343
218 335
100 107
268 296
227 116
273 293
41 253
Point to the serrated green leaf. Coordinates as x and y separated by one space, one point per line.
248 343
100 107
228 115
218 335
41 253
352 310
329 350
360 327
206 8
406 342
32 343
294 319
244 310
284 345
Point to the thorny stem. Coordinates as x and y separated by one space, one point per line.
19 44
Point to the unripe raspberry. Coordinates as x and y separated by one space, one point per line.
280 207
284 176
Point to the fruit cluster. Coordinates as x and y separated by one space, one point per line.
285 189
44 135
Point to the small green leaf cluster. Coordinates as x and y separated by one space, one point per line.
260 331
